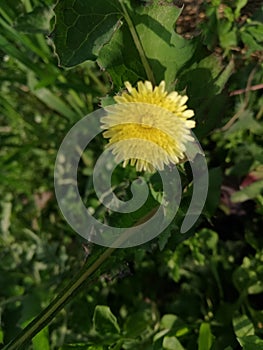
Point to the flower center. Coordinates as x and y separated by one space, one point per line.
147 121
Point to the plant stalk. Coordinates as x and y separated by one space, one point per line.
57 304
138 44
68 292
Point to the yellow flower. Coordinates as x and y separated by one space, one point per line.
148 127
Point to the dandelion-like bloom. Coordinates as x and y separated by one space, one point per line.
148 127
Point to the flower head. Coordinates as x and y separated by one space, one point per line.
148 127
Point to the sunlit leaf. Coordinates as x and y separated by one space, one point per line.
205 338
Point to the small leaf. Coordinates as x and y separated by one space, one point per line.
243 326
168 321
249 192
239 5
250 42
172 343
205 338
256 32
41 340
107 101
1 335
227 34
104 321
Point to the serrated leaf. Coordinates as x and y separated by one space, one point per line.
82 28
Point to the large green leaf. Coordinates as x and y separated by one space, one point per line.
165 50
82 28
121 59
88 30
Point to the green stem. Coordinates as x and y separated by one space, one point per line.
54 307
138 44
89 269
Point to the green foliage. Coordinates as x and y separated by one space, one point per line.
104 321
149 30
245 333
227 28
205 339
82 30
200 290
